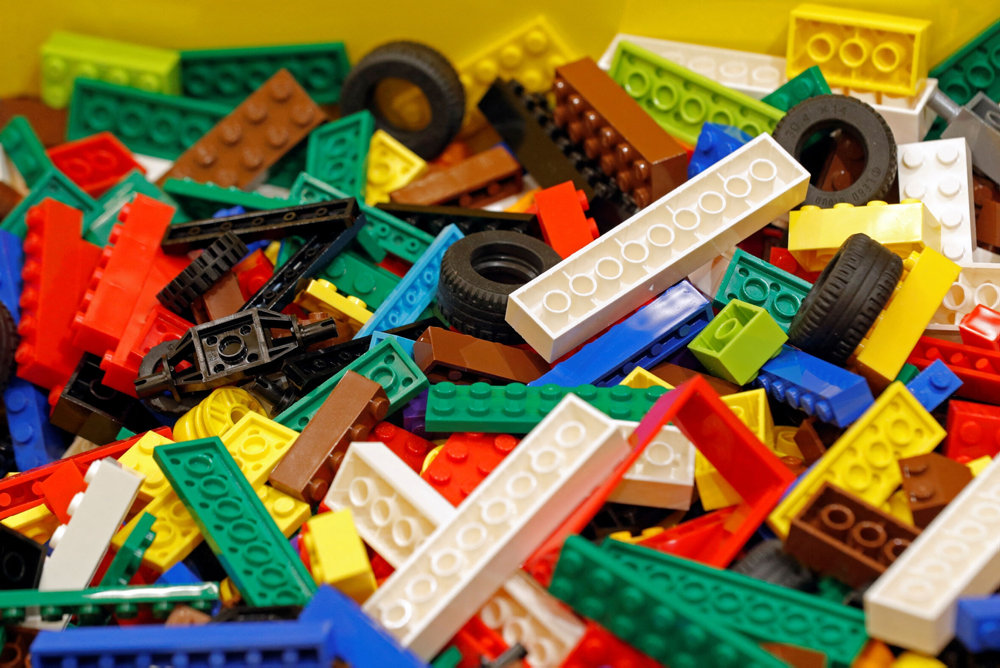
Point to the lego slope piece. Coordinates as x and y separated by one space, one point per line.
498 526
657 247
338 152
859 49
25 150
750 279
809 83
663 475
390 167
914 603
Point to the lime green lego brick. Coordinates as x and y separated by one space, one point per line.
758 609
387 233
234 522
387 364
66 56
52 184
973 68
645 616
202 200
98 225
752 280
128 558
25 150
808 83
338 152
680 100
517 408
163 126
907 373
229 75
738 341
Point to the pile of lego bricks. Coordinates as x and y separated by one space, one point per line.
683 356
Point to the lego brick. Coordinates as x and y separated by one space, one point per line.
321 296
598 647
975 122
863 460
738 342
675 374
975 367
128 558
34 440
66 56
808 83
94 163
969 69
409 447
391 166
464 461
484 178
11 261
654 249
217 413
663 475
433 219
176 532
980 327
715 142
59 488
975 623
202 200
288 513
22 558
37 523
338 152
241 146
499 525
359 278
638 379
978 283
387 233
756 282
99 223
336 555
53 184
973 431
444 355
934 385
121 366
565 227
25 150
930 483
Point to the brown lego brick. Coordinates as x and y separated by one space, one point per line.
810 444
348 414
9 198
485 177
794 464
49 124
185 615
675 375
16 646
222 299
795 656
930 482
840 535
986 197
596 112
266 125
843 165
444 355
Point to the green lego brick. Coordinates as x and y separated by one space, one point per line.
387 233
973 68
229 75
752 280
738 342
338 152
648 617
94 605
680 100
203 200
449 658
284 172
25 150
517 408
124 433
907 373
234 522
808 83
128 558
52 184
758 609
387 364
163 126
66 56
98 225
357 277
307 189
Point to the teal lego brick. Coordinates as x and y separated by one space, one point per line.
517 408
163 126
52 184
755 608
25 150
386 364
230 75
307 189
973 68
385 233
284 172
200 201
652 620
128 558
357 277
752 280
235 523
98 225
808 83
338 152
680 100
738 342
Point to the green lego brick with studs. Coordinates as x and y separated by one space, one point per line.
758 609
338 152
387 233
974 67
25 150
234 522
52 184
128 558
98 225
387 364
517 408
651 619
738 342
806 84
307 189
203 200
752 280
163 126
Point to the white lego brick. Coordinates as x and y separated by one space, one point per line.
983 256
394 509
908 117
619 271
155 167
95 516
708 277
939 174
509 514
663 476
913 604
979 283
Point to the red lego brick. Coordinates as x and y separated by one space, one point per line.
409 447
94 163
978 369
464 461
394 265
698 539
599 648
151 326
59 488
560 215
973 431
57 267
476 640
782 258
381 568
253 272
980 328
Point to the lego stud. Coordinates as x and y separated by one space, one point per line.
713 203
485 71
546 461
303 115
637 85
867 537
836 519
277 136
694 109
687 219
892 549
736 186
634 252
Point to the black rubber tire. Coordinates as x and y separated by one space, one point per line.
8 346
425 68
825 112
845 299
476 304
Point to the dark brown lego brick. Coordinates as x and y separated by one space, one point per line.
930 482
9 198
811 445
676 374
49 124
795 656
444 355
986 197
222 299
485 177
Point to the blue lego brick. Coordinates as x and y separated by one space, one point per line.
231 211
36 442
56 185
815 387
11 259
405 344
178 574
645 338
977 625
754 281
416 290
933 385
715 142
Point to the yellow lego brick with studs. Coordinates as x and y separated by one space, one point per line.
38 523
139 458
640 379
322 295
390 167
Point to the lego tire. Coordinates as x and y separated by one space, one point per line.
8 345
204 271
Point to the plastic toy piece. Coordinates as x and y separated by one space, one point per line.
502 514
23 559
25 150
322 296
478 644
94 163
973 431
640 379
980 327
66 56
464 461
738 342
898 423
59 488
99 225
930 483
391 166
11 261
859 49
409 447
598 647
933 385
978 129
664 474
975 624
808 83
975 367
152 325
37 523
715 142
53 184
476 181
336 554
338 152
756 282
387 233
359 278
979 283
445 356
433 219
970 70
128 558
560 210
405 344
34 440
217 413
203 200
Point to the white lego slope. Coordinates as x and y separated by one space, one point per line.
527 497
663 476
660 245
913 604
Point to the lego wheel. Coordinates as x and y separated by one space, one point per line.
810 120
8 345
424 115
846 299
479 272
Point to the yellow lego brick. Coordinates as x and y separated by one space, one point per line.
272 250
430 456
216 413
977 465
176 532
859 49
713 490
337 556
899 507
524 202
229 595
784 442
627 537
928 277
287 512
863 460
390 167
322 295
640 379
915 660
257 444
139 458
815 234
38 523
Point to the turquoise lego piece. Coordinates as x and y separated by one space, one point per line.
202 200
750 279
52 184
359 278
307 189
808 83
25 150
338 152
738 342
405 344
98 226
387 233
